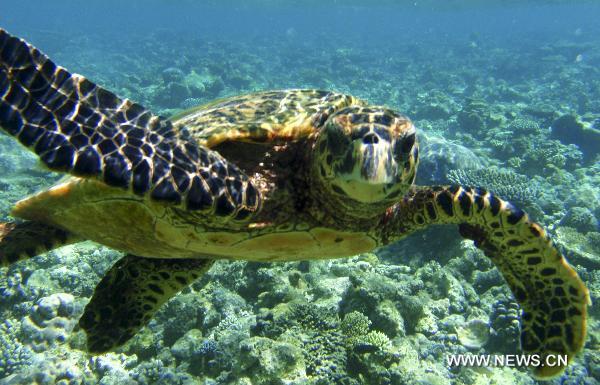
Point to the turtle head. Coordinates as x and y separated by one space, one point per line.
367 154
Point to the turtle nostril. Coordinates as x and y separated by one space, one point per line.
370 138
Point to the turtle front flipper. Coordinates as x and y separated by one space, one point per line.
77 127
24 240
130 293
553 297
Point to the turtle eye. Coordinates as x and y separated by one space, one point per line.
408 143
359 133
337 141
403 147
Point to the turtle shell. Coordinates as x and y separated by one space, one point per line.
141 226
272 116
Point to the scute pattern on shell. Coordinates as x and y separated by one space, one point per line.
270 116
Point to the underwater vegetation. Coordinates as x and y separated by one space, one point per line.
521 121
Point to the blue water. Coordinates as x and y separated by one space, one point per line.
417 19
415 31
489 84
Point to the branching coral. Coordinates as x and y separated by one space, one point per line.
355 327
355 324
504 183
524 126
377 339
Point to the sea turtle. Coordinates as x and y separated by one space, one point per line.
270 176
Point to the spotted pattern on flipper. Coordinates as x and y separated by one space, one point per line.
77 127
553 297
262 117
130 293
19 241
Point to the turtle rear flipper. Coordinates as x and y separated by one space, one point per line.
553 297
82 129
130 293
24 240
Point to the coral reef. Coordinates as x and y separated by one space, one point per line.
570 129
50 322
474 334
14 356
505 327
439 156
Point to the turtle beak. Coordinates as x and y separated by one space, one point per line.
375 161
368 169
